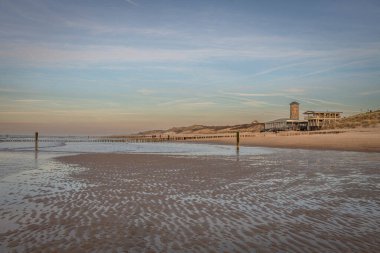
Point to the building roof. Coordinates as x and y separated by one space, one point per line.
277 120
287 120
310 112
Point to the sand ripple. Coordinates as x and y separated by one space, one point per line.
155 203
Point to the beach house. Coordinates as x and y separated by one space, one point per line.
317 120
291 123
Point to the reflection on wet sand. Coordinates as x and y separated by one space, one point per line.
319 202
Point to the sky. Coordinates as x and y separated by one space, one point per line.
121 66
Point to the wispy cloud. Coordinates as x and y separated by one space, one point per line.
82 112
132 2
100 54
322 101
275 94
176 101
255 103
188 102
367 93
198 104
146 92
319 102
301 99
335 67
11 90
50 53
97 28
30 100
292 94
295 90
277 68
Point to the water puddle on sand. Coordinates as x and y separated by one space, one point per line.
274 201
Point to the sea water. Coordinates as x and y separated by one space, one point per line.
18 156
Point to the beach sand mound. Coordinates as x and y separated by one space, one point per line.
367 119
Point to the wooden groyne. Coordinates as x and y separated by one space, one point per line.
150 138
103 139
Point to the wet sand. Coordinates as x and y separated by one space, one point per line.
160 203
362 140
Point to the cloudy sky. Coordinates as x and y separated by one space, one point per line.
118 66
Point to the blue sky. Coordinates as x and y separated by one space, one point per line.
126 65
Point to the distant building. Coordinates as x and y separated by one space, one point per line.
292 123
317 119
294 110
313 120
286 124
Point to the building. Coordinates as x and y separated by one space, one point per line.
285 124
294 111
292 123
318 119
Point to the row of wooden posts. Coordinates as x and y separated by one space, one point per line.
154 138
158 140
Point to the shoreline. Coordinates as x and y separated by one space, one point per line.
357 140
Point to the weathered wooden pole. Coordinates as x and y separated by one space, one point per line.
237 139
36 141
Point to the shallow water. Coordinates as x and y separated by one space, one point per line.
162 148
260 200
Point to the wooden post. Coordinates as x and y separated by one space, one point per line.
36 141
237 139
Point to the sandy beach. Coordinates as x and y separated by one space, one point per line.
328 202
362 140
